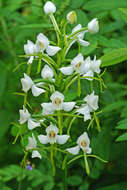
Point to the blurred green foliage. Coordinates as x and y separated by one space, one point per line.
24 19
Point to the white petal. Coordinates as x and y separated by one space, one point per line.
92 101
48 108
37 91
73 150
52 127
67 70
47 72
29 48
52 50
77 59
78 27
57 94
42 42
36 154
26 83
24 115
88 150
68 106
43 139
30 60
89 74
49 7
62 139
33 124
83 42
32 143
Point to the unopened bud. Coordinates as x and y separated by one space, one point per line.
72 17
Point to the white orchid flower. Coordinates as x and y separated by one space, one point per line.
92 101
77 64
91 105
42 44
91 67
25 116
93 26
79 37
83 143
52 136
28 84
30 48
57 103
49 7
47 73
32 144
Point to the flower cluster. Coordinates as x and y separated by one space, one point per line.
51 82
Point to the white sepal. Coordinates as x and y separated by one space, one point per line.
74 150
37 91
32 143
43 139
52 50
62 139
26 83
32 124
47 72
67 70
68 106
24 115
48 108
36 154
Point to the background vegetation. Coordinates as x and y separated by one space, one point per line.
24 19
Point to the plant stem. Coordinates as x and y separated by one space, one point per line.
86 164
60 122
79 86
52 160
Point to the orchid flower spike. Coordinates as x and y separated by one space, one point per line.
25 116
28 84
77 65
32 144
42 44
90 105
91 67
93 26
30 48
49 7
52 136
57 103
83 143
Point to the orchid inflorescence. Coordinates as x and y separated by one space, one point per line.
56 79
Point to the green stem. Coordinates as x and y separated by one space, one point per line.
25 99
78 31
79 86
60 122
52 160
86 164
91 86
97 122
39 65
70 83
55 26
69 128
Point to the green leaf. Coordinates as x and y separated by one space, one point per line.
123 137
49 186
104 5
32 26
114 57
123 13
117 186
74 180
